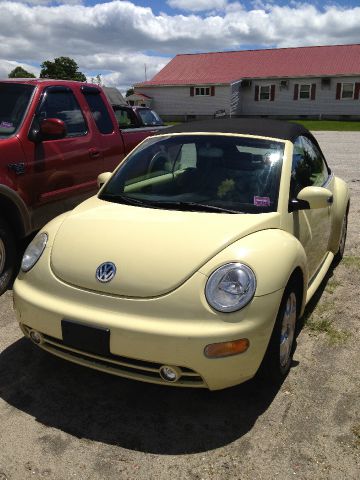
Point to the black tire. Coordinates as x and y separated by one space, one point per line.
340 253
279 354
8 259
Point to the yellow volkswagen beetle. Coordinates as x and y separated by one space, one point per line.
195 260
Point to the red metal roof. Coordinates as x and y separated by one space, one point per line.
227 67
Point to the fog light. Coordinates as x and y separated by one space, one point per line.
36 337
225 349
170 374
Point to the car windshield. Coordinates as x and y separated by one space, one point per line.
14 100
217 173
149 117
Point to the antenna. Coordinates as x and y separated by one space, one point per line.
145 72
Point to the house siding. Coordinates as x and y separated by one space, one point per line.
284 104
177 103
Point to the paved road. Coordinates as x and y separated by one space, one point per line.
59 421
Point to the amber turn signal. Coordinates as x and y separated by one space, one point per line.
225 349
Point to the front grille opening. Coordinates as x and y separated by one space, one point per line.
116 364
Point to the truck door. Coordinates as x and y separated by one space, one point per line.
111 140
64 170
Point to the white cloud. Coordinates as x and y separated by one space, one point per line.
6 66
47 2
123 68
197 5
119 37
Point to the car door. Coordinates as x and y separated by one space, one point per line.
312 227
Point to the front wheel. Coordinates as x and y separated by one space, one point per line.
278 357
7 256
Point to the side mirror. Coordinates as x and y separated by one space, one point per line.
316 197
103 178
49 129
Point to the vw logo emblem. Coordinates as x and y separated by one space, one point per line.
106 272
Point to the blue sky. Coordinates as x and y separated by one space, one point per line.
117 39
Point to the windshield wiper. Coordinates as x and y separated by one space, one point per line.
193 206
178 205
119 198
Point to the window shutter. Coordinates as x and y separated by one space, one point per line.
357 91
212 91
272 93
338 91
313 91
296 91
256 93
192 91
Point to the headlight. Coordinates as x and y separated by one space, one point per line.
34 252
230 287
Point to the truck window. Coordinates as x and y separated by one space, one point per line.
99 111
14 100
149 117
63 105
124 117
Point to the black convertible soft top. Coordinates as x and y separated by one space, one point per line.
264 127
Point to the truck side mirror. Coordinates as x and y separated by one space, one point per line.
49 129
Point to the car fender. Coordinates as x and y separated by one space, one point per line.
272 254
341 195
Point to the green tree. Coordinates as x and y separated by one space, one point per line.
20 72
129 92
62 68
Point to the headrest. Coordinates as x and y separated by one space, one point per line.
210 152
244 161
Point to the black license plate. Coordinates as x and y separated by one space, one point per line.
88 339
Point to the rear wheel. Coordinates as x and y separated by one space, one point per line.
278 358
7 256
340 253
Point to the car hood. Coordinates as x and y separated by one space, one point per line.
154 250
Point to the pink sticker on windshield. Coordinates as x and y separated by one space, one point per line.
262 201
6 125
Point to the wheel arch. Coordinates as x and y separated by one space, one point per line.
273 254
298 278
14 212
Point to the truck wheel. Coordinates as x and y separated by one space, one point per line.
7 256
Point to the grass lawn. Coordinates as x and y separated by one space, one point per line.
335 125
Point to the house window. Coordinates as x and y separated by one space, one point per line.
347 90
305 91
264 93
202 91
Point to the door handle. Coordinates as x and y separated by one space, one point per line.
330 200
93 153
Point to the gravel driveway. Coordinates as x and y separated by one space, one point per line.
60 421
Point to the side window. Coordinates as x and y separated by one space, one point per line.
124 117
308 166
187 157
99 112
63 105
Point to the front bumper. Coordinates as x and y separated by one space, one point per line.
145 334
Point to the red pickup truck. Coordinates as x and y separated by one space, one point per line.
56 136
